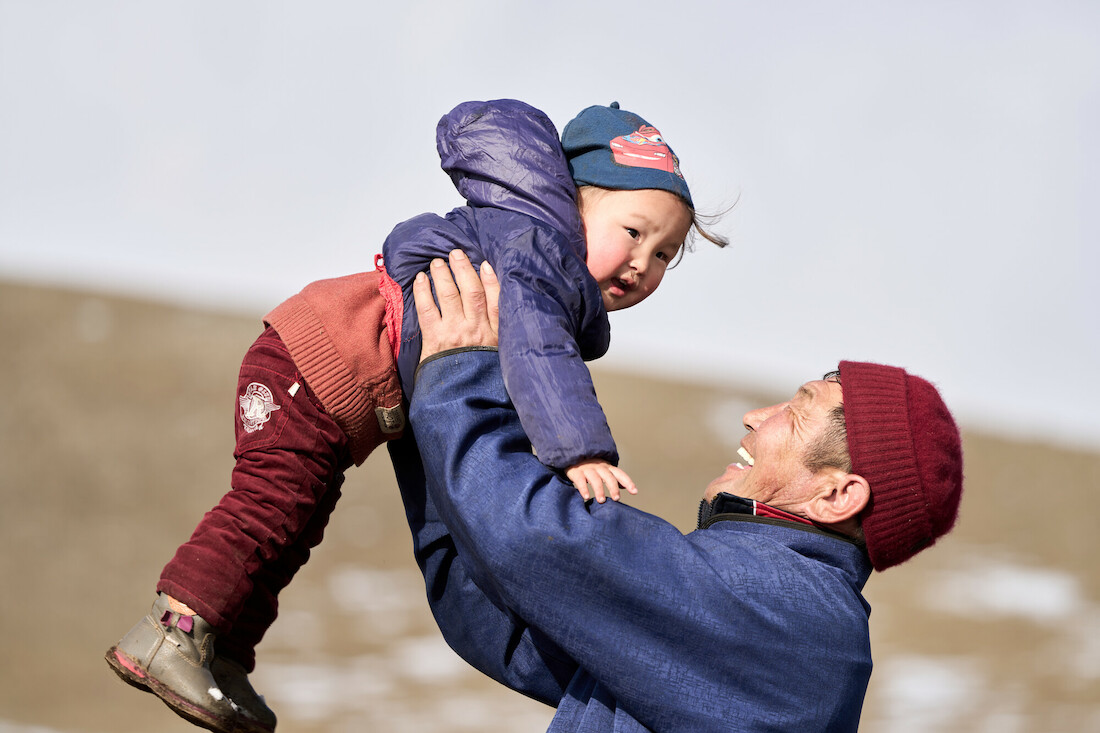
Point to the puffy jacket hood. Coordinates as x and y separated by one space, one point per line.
477 144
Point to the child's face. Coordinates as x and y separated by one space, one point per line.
632 237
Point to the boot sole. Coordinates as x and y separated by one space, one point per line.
132 674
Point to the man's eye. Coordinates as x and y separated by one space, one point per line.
632 232
663 257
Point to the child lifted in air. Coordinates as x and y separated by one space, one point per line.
573 228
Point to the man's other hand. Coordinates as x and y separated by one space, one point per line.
468 311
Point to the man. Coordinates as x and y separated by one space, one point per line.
753 622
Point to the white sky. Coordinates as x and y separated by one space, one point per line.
916 182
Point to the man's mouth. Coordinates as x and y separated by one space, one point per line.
746 456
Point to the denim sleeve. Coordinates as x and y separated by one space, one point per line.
620 591
477 627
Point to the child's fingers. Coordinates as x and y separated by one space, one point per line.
599 480
611 482
593 483
609 486
579 481
624 480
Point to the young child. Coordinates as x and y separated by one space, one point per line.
574 228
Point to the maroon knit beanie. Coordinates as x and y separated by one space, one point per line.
903 440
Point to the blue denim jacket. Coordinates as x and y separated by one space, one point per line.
611 614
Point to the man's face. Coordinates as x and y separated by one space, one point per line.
778 439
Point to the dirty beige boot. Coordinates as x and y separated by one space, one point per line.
169 654
253 714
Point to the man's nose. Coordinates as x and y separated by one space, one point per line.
754 418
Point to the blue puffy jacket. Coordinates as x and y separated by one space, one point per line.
506 160
611 614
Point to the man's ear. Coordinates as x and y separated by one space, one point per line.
839 497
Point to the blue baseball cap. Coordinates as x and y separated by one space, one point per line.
612 148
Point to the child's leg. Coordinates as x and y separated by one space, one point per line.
290 462
235 650
290 454
262 605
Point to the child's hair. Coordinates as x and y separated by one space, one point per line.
701 225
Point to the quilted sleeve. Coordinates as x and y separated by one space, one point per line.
552 321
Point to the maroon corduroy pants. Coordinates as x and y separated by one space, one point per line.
291 458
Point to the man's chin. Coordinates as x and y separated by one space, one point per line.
719 487
733 481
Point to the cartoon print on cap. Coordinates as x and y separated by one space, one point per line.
256 407
645 148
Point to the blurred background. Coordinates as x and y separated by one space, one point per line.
912 185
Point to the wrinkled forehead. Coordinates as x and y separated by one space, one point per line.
826 390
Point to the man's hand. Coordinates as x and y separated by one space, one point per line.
468 311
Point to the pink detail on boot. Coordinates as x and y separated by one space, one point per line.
182 622
125 662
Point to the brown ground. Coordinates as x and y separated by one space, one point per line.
115 436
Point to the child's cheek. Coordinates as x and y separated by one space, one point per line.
655 280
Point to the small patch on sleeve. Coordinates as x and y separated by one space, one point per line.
257 403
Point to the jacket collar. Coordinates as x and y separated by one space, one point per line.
850 556
725 503
725 507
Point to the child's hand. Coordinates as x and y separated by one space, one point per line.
603 478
